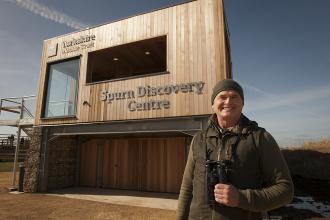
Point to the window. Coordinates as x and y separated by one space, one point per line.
62 84
129 60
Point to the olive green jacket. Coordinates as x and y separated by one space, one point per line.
258 171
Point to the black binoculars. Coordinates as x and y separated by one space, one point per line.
216 172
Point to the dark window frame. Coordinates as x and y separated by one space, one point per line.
45 89
166 71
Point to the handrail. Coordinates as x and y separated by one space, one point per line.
16 102
29 96
8 100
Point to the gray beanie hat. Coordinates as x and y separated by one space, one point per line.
227 84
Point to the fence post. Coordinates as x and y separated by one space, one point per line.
21 177
18 143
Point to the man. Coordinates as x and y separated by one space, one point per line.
256 177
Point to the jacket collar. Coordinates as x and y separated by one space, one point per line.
243 127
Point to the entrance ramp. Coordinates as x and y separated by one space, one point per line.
167 201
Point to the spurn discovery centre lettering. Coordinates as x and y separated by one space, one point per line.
167 90
149 105
149 91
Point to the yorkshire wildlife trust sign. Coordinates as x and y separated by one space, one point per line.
80 43
148 91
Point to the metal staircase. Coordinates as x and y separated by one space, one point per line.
23 107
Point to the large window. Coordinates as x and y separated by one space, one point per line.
61 96
128 60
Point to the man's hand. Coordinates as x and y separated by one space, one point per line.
226 194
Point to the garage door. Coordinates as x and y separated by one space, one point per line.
145 164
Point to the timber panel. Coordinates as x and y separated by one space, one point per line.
176 160
88 163
153 164
120 166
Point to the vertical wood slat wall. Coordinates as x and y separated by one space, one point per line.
196 51
153 164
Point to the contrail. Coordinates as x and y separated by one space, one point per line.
49 13
294 99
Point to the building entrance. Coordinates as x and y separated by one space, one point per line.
144 164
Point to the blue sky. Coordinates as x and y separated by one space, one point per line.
280 54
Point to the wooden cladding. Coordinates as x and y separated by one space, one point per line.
196 52
154 164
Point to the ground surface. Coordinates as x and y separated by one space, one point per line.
318 190
39 206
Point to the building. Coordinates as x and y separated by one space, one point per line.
117 104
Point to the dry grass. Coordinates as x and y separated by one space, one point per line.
322 145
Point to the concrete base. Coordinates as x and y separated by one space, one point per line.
16 192
12 188
121 197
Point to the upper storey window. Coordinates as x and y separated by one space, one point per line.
129 60
62 85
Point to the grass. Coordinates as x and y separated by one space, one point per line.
322 146
6 166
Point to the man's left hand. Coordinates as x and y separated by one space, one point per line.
226 194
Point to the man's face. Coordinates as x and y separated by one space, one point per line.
228 105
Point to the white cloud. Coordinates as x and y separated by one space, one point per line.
49 13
